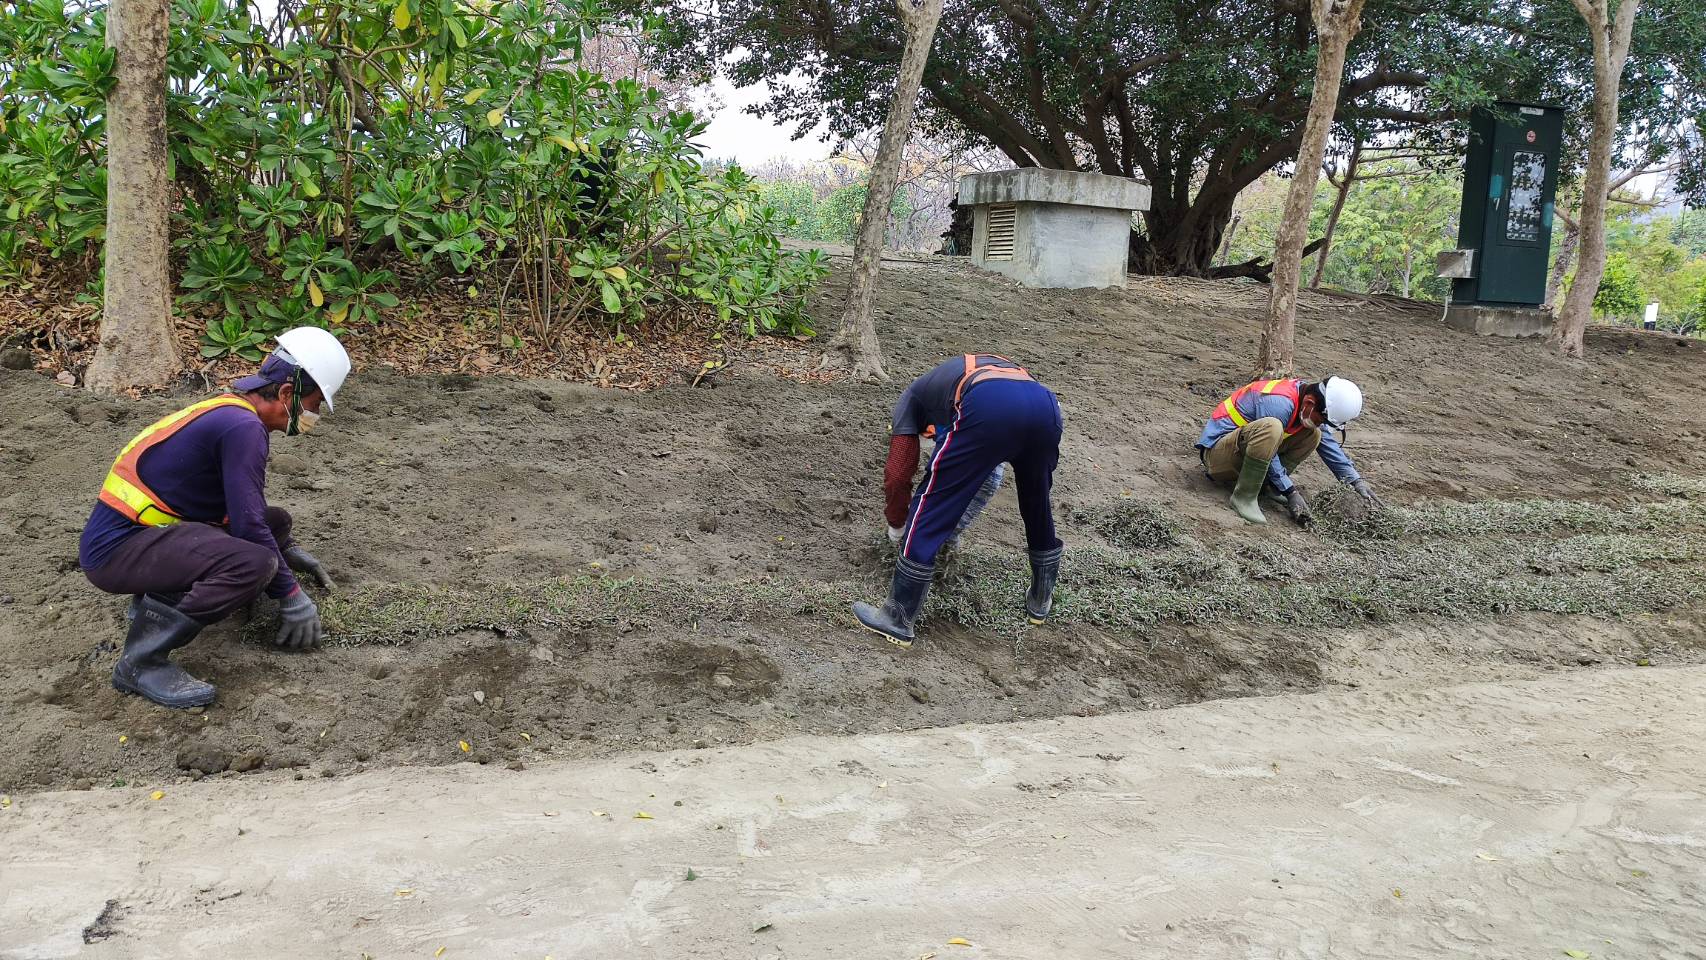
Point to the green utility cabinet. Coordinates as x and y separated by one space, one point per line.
1510 179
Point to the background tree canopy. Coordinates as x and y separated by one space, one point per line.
1197 98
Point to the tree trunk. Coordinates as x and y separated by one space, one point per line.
1338 208
1561 263
857 323
1336 22
1226 243
1610 50
136 346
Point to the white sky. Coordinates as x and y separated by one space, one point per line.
755 140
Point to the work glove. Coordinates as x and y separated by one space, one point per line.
299 623
302 561
1298 506
1365 490
894 535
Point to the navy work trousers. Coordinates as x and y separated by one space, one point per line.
999 421
216 572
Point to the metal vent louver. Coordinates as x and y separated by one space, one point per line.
998 239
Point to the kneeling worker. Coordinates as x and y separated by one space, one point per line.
183 521
985 411
1266 429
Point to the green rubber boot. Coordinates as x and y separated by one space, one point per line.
1248 488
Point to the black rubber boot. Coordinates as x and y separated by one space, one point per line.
899 613
143 668
1045 572
170 599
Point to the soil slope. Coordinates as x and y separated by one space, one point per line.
604 570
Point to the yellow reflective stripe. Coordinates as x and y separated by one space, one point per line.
146 512
1269 386
1232 411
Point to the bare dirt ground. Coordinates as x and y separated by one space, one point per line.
546 569
1553 818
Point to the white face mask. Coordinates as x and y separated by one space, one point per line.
305 421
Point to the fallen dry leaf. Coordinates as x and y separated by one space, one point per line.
959 942
642 815
123 739
405 891
464 745
439 952
157 795
528 737
1483 855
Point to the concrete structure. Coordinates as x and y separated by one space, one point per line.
1489 321
1052 228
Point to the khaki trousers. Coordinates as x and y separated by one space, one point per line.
1263 439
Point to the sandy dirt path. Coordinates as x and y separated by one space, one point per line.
1490 820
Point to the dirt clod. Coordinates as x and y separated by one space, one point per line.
204 758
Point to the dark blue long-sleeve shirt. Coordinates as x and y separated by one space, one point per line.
213 469
1254 406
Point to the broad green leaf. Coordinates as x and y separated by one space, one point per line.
617 272
306 179
495 116
612 302
473 96
401 17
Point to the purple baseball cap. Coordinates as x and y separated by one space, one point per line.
278 368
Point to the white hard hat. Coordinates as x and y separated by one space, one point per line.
322 357
1341 401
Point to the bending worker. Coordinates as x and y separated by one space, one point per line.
984 411
183 522
1261 433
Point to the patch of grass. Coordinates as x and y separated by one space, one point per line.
1460 561
1134 525
1670 485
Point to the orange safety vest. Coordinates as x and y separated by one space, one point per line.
1290 389
124 490
976 374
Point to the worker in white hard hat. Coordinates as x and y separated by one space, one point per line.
183 524
1259 435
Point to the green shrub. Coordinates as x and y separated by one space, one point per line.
436 137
